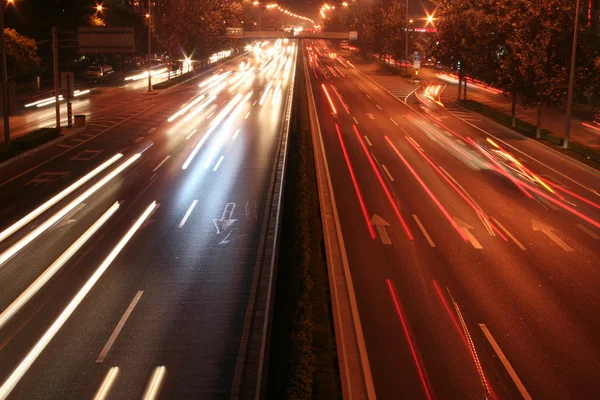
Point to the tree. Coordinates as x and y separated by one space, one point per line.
384 28
21 52
95 20
541 43
196 27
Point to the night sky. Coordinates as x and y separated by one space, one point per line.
310 8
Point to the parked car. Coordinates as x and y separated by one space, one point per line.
98 72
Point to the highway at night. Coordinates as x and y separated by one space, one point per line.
130 253
474 253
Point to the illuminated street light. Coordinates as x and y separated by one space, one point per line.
345 4
99 7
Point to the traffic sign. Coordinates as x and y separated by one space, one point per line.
416 56
417 64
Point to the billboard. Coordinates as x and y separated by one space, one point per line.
104 40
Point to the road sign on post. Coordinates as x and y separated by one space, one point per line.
353 35
104 40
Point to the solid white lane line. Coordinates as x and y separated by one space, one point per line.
117 330
368 141
507 233
28 293
395 123
39 210
588 231
505 362
161 163
107 383
191 134
25 240
187 214
218 163
355 121
18 373
425 233
155 383
379 107
387 172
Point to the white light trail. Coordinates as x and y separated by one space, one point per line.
39 210
213 125
34 353
24 241
28 293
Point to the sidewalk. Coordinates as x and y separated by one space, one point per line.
552 120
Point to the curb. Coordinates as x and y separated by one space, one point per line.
251 370
355 371
572 160
31 152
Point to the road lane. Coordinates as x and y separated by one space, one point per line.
196 282
525 297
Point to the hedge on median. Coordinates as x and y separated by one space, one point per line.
529 129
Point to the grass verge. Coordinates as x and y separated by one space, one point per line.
576 150
303 363
28 142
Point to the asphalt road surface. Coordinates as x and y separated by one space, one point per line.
92 100
474 253
153 302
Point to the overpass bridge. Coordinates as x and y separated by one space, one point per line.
240 33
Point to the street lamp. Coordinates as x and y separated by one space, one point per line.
5 107
571 78
99 8
149 18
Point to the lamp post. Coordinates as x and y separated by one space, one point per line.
5 106
149 16
406 38
571 79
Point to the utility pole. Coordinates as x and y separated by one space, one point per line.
149 48
406 38
56 85
5 105
571 78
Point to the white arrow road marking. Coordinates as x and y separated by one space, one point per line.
227 239
380 224
370 115
465 228
588 231
538 226
225 222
